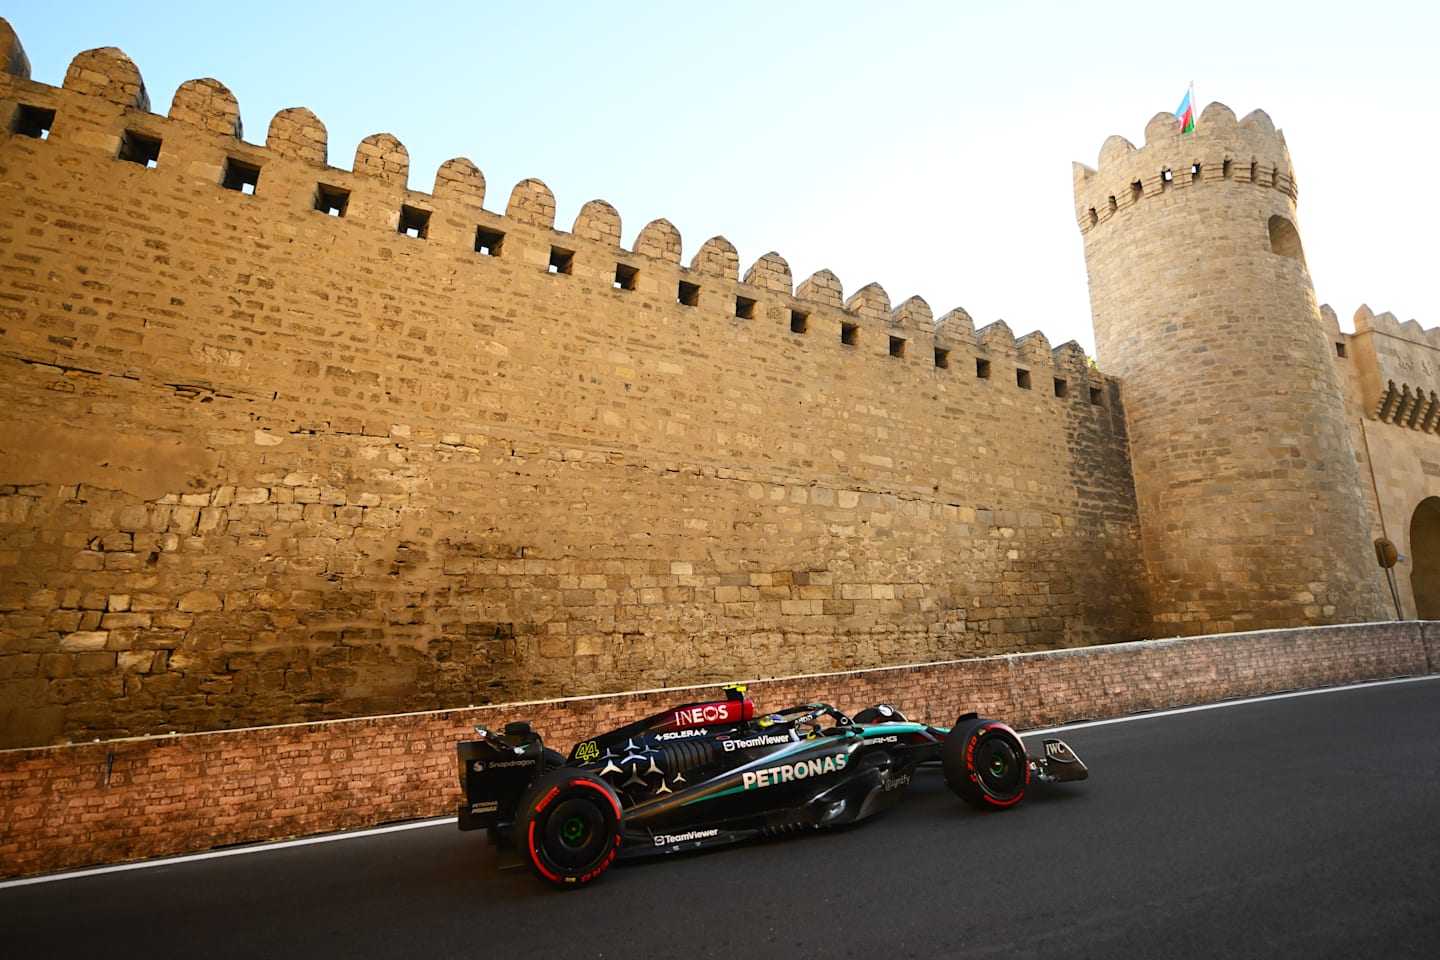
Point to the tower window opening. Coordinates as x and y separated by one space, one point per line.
1166 178
140 148
414 222
744 308
1340 350
1114 204
626 276
688 294
1194 173
1096 396
1285 239
1254 171
1094 217
1225 170
799 321
33 122
331 200
897 347
942 358
240 176
561 261
982 368
1137 190
849 334
1062 389
488 242
1022 379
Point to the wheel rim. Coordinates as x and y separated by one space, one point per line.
998 767
574 834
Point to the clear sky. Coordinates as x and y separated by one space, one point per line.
926 146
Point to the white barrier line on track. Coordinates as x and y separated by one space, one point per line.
449 821
228 852
1222 704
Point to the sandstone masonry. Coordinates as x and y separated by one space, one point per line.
284 441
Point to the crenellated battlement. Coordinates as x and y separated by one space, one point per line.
1219 150
1387 324
103 106
1396 365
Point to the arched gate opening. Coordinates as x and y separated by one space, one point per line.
1425 558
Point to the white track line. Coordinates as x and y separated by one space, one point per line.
450 821
260 847
1222 704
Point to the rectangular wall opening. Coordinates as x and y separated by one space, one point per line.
331 201
488 242
561 260
849 333
688 294
240 176
942 358
140 148
626 276
414 222
897 347
982 368
1096 396
744 308
33 122
1022 379
1062 389
799 321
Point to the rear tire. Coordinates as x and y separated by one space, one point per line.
985 764
568 825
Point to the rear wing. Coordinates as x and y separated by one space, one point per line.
494 771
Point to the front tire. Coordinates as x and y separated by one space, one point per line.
985 764
568 825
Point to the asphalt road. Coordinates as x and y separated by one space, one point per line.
1298 827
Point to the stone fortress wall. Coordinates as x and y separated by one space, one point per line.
284 441
1391 377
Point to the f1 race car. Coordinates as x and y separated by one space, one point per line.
711 773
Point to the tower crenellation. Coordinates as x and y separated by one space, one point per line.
1249 151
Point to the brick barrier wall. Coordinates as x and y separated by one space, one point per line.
82 804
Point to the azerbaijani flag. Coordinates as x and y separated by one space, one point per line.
1185 113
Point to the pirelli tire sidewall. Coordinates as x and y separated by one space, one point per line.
568 826
985 764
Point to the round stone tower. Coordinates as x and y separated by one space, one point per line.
1250 499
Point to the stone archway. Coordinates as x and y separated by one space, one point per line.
1425 558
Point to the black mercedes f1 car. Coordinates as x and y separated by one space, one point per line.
711 773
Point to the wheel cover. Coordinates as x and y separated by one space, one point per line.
999 770
574 835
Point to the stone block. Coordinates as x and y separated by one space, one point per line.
84 641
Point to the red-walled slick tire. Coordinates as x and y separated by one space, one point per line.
985 764
568 825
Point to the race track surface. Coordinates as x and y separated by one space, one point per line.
1298 827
